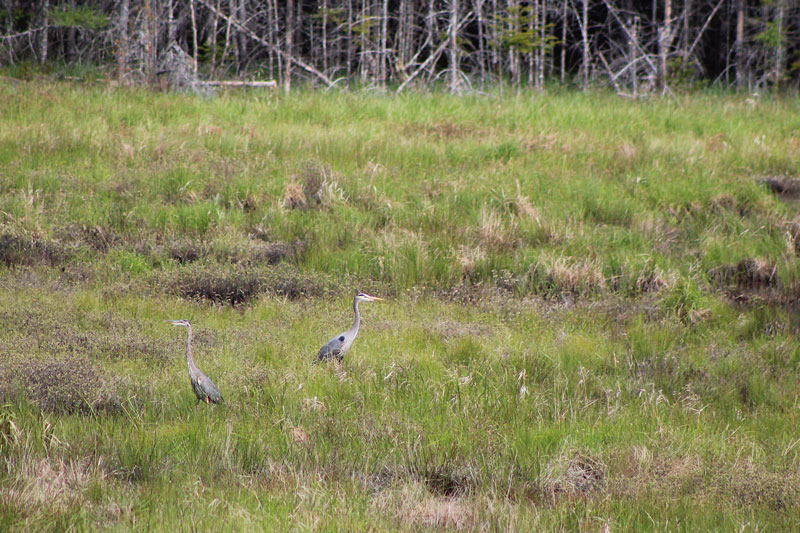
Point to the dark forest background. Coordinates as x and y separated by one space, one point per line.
636 47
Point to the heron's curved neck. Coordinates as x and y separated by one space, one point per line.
357 319
189 358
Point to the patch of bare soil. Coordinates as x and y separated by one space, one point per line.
187 251
240 285
30 250
273 253
748 274
783 186
755 282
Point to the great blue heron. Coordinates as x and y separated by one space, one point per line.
203 388
338 346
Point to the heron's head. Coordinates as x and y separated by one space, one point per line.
364 297
182 322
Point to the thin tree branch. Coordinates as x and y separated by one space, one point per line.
288 57
703 29
434 56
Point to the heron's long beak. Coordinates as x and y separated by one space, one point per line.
173 322
374 298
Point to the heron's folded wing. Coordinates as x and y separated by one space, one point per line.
332 348
209 388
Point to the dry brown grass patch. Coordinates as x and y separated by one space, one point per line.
414 507
299 436
470 259
793 233
49 483
579 278
626 152
313 186
644 471
573 474
442 131
717 142
495 233
545 142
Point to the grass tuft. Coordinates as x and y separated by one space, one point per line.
62 386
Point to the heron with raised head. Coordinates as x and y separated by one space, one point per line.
338 346
203 387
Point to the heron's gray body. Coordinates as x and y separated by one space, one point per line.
203 387
338 345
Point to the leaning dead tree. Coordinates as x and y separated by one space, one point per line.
635 46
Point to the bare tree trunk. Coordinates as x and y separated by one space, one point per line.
325 36
481 42
241 38
495 41
170 22
513 55
122 38
227 39
275 34
349 39
271 39
430 25
664 41
150 42
384 39
634 53
71 50
43 34
194 36
687 28
287 76
533 23
314 48
563 41
779 49
214 41
453 47
363 44
542 50
585 38
739 46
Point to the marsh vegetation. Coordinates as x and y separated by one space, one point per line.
591 316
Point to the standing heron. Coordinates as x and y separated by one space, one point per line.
203 387
338 346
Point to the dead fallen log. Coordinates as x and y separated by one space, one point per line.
234 83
